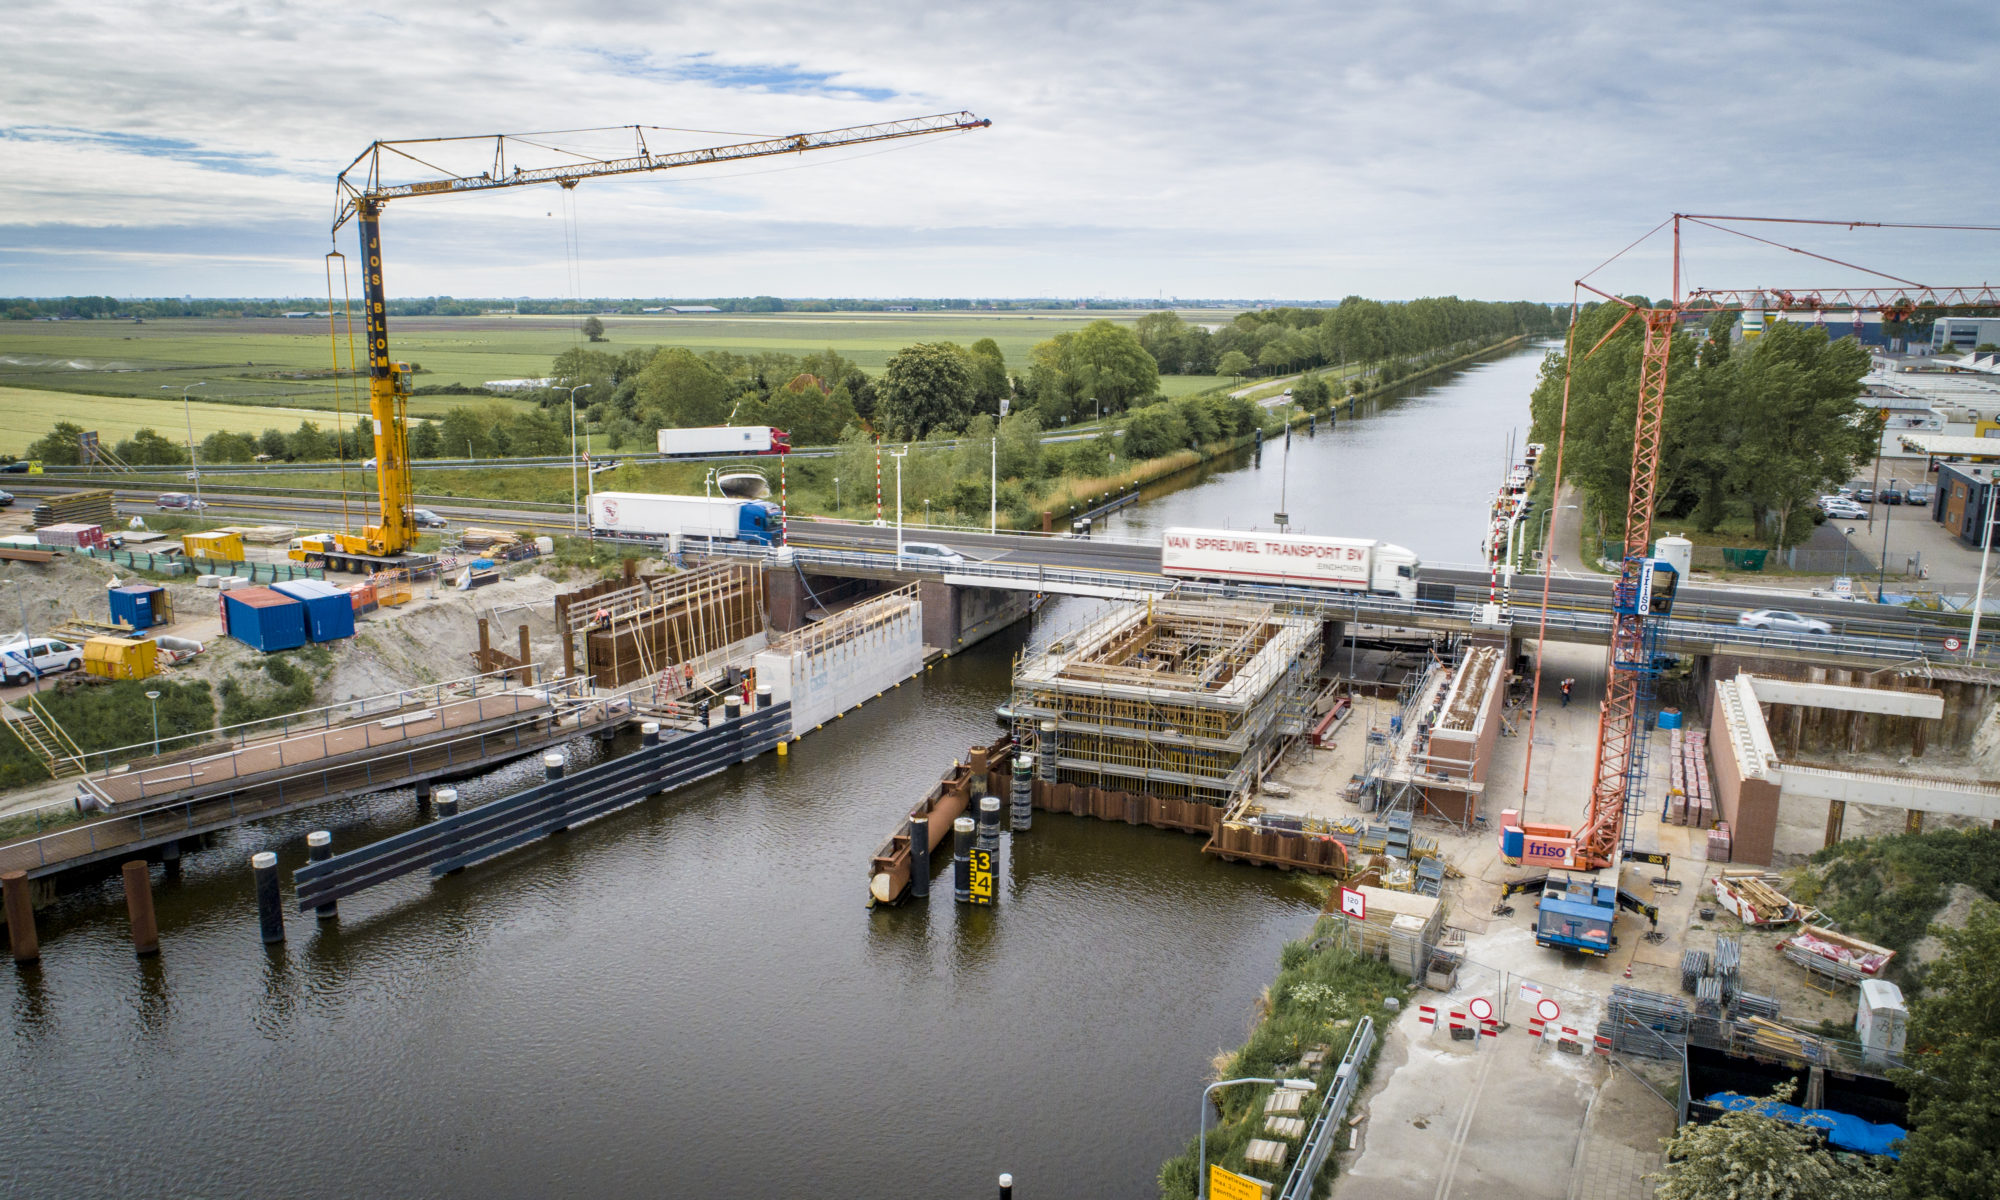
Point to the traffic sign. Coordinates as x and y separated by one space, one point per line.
1354 904
1548 1010
1952 644
1481 1008
1228 1185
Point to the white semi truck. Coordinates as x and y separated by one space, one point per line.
708 440
651 517
1290 560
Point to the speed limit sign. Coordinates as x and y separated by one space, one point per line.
1952 644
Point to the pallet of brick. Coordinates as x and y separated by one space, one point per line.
76 508
1718 842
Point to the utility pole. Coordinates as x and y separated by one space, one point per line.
573 519
187 411
899 455
993 490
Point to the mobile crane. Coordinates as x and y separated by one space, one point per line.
362 190
1577 906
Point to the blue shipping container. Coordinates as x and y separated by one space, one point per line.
262 619
141 606
329 611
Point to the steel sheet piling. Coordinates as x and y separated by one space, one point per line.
1024 794
270 906
963 834
920 857
139 906
319 848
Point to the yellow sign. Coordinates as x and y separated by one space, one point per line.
982 877
1228 1185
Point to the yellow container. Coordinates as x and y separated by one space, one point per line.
222 547
120 658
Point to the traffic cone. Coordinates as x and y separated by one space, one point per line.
1628 970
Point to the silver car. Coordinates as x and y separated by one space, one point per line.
1777 620
932 552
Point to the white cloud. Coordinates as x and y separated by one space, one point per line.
1195 149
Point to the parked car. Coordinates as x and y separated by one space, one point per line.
368 464
426 519
45 655
1892 495
18 467
1834 506
179 501
932 552
1863 496
6 498
1920 493
1777 620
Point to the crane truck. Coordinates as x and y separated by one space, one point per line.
364 188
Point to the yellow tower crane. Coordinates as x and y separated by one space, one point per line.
364 188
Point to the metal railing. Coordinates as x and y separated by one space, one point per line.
1327 1125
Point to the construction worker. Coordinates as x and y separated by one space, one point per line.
1567 686
687 675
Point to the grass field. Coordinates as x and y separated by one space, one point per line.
27 413
274 362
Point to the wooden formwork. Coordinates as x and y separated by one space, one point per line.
639 627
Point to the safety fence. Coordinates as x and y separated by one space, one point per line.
454 842
180 564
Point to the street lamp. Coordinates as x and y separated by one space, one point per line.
1882 568
573 526
836 493
927 513
1201 1162
708 481
899 456
187 411
1543 528
155 698
1845 546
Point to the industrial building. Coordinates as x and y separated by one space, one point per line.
1964 333
1964 502
1178 699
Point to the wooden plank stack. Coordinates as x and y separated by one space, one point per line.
77 508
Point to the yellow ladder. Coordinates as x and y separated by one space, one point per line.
45 739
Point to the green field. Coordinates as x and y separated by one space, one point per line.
27 413
267 363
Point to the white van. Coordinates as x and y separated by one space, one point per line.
22 660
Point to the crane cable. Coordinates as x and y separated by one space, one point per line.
1548 545
333 354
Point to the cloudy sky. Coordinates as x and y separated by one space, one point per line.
1291 151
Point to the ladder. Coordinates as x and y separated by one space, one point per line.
45 739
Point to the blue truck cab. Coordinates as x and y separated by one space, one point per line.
1576 913
759 521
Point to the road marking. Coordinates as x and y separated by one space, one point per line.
1463 1128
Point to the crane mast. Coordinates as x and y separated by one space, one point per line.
363 189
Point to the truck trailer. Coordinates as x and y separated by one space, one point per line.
708 440
649 517
1291 560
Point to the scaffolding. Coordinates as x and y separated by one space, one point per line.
1176 698
649 626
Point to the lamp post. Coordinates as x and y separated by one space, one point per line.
708 481
1547 513
993 490
1845 546
573 525
155 698
187 412
1882 568
1201 1161
836 493
899 455
927 513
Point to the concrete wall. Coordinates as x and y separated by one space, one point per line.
957 617
1749 805
824 684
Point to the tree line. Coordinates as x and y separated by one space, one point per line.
1361 331
1754 430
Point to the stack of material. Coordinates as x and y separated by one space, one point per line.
1750 1004
1262 1152
1728 960
1757 1035
1654 1010
264 534
487 539
1749 892
73 535
1718 842
1708 997
1690 797
1397 928
1675 812
77 508
1694 966
1430 876
1835 955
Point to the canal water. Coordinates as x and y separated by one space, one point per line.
689 997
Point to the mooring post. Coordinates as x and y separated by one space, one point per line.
962 835
526 675
649 733
139 906
20 904
1024 793
920 856
319 848
1006 1187
423 790
975 770
270 906
552 770
989 822
764 695
170 858
446 806
732 709
1045 747
701 713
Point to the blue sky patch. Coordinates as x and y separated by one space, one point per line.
786 79
233 162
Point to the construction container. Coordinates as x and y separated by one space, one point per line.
141 606
329 611
120 658
73 536
263 619
1879 1020
216 544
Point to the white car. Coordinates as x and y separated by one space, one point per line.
1843 508
1777 620
22 660
932 552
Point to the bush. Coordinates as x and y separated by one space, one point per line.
244 700
109 716
1886 890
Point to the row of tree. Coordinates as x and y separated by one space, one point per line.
1367 332
1759 430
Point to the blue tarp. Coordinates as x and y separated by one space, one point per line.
1844 1131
